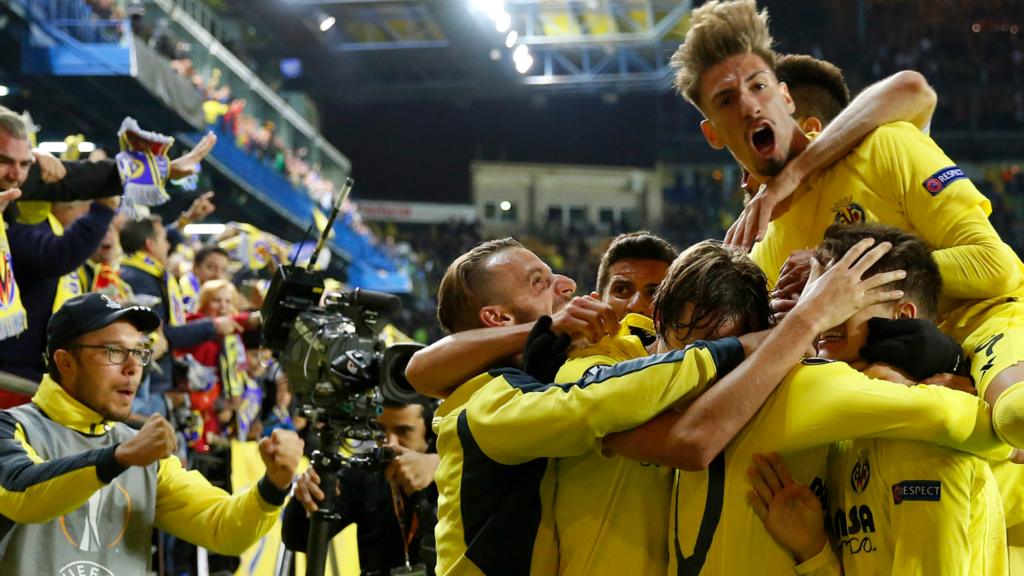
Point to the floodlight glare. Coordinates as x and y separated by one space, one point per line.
505 205
326 23
503 22
523 64
4 90
511 39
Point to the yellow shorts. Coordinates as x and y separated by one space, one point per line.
996 343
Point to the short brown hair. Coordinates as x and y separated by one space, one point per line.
718 30
923 282
817 86
460 296
721 283
640 245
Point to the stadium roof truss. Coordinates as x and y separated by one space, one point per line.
574 44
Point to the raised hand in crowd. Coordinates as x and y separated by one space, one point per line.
411 470
187 164
281 452
155 441
201 208
225 325
51 169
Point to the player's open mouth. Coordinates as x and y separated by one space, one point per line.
762 138
127 393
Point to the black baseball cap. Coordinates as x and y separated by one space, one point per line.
90 312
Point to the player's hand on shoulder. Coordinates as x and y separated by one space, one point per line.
791 512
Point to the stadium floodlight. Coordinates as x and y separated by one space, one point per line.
326 23
505 206
61 147
522 59
203 229
4 90
511 39
503 22
491 8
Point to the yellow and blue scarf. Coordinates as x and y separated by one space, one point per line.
172 293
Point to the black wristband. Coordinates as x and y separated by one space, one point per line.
271 493
107 466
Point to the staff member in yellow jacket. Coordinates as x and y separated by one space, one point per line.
80 492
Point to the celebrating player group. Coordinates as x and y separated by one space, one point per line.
834 389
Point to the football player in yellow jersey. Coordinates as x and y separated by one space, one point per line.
896 175
890 500
818 402
496 431
610 512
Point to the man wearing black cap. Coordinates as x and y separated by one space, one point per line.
80 492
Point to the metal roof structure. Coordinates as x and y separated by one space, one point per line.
372 50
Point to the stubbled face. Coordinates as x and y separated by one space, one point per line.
15 161
213 267
631 285
676 339
404 426
749 112
89 377
843 343
527 286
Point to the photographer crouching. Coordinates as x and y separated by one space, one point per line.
395 508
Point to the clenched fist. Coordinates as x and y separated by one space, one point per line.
281 453
412 470
154 442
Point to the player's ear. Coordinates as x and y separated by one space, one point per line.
906 309
810 124
790 104
710 134
495 315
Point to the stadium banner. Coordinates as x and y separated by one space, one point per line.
415 212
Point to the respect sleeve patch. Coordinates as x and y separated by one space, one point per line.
920 490
937 182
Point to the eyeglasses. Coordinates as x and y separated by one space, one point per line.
119 354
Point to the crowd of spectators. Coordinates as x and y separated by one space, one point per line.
972 51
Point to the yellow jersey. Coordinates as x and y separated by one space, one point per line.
495 432
904 507
900 177
611 514
715 531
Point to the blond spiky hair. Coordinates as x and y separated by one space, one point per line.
718 30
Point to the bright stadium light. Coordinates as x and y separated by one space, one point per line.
4 90
522 59
505 205
491 8
511 39
503 22
326 23
204 229
60 147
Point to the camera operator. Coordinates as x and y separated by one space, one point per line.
395 508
